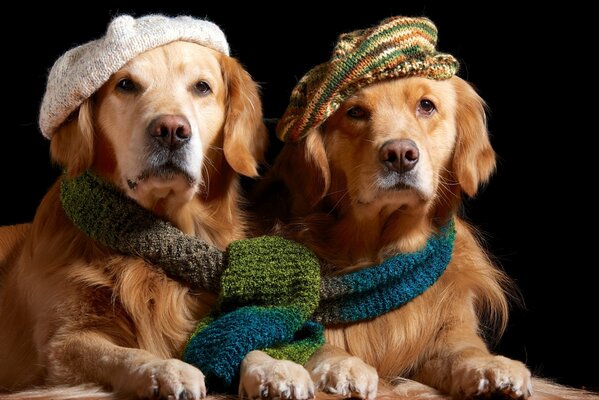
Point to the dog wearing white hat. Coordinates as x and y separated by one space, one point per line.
158 109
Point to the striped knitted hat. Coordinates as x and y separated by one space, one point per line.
79 72
396 48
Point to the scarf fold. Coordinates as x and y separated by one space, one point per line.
265 303
269 286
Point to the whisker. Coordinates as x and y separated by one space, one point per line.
205 183
336 191
338 201
359 166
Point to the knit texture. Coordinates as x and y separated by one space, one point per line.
106 215
374 291
81 71
268 291
398 47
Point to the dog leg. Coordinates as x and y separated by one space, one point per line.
262 376
335 371
90 357
472 372
489 375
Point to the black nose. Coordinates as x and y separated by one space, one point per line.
399 155
171 131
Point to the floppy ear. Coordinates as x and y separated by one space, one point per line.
304 168
72 145
319 172
245 135
474 158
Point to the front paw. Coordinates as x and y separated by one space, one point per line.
163 379
492 377
273 378
346 376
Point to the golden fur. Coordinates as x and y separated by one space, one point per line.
73 311
335 193
11 240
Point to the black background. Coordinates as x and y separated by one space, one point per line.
533 212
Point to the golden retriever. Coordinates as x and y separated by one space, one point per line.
73 311
383 173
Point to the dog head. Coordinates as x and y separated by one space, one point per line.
175 121
398 144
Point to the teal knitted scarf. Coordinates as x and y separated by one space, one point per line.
271 295
265 302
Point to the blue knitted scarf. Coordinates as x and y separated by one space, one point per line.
221 342
374 291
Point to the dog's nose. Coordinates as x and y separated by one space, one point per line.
399 155
171 131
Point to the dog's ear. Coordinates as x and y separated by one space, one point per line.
474 158
304 168
245 135
318 170
72 145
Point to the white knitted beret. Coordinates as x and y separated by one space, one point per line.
78 73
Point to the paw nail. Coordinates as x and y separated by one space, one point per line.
184 395
483 386
264 392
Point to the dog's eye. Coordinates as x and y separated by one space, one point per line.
426 108
202 88
126 85
357 112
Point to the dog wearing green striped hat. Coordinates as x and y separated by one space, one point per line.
397 48
382 142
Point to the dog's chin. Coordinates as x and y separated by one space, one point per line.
418 193
396 192
167 186
397 198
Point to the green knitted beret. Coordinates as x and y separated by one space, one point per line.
396 48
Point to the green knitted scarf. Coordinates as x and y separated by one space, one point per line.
265 303
265 298
268 286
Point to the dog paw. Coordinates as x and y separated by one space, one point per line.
492 377
162 379
346 376
273 378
